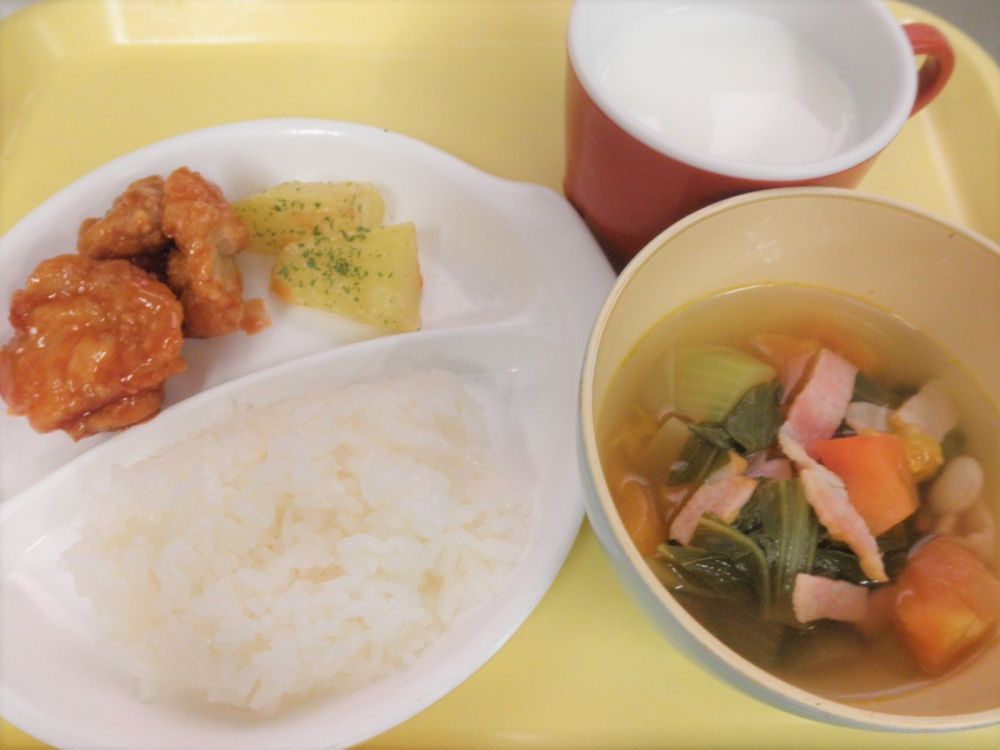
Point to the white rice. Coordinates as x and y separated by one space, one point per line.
315 544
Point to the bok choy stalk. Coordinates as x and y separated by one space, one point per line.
702 383
661 452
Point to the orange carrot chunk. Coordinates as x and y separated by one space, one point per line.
641 515
874 469
946 600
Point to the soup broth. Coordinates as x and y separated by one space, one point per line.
830 658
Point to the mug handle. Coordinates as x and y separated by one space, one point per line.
938 65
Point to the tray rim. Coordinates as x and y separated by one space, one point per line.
979 58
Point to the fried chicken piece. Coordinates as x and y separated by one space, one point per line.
210 292
93 343
155 264
132 226
125 412
201 270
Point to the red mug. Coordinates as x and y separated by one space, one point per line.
671 106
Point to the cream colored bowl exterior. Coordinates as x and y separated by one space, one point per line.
943 279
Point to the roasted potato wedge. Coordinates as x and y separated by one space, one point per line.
294 211
371 276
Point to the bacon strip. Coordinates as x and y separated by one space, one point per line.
724 497
818 598
815 414
827 495
819 408
775 468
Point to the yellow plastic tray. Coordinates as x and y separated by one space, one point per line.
84 81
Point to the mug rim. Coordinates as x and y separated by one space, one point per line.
900 110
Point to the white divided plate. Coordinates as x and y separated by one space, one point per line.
512 282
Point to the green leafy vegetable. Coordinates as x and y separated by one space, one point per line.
749 519
701 573
755 560
714 434
715 535
696 460
781 528
788 535
839 564
837 560
754 421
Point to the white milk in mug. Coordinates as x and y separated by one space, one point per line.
734 85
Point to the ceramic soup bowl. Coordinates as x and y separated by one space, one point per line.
943 280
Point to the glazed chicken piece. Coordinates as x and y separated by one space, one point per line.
201 270
132 226
93 343
126 411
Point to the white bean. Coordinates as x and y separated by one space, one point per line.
979 532
978 518
930 409
862 415
946 524
957 487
